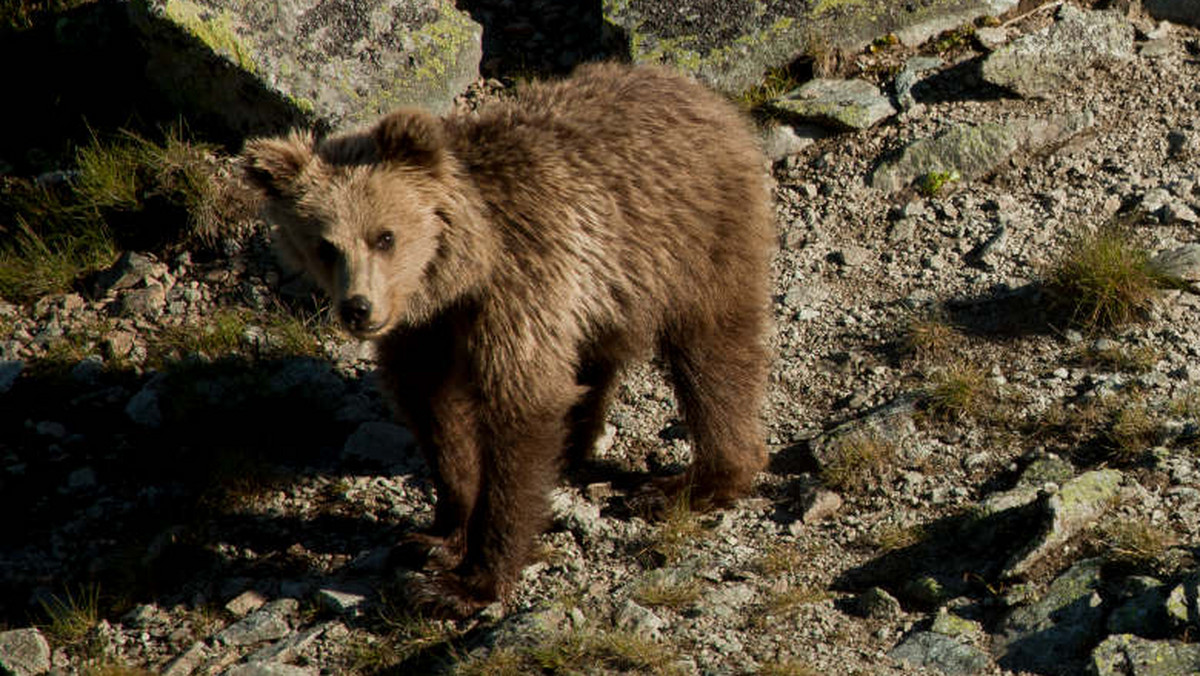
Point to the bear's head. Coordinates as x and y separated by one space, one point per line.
363 214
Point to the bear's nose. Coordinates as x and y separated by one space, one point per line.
355 311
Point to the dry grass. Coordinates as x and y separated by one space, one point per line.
959 390
1134 542
1104 280
857 461
73 615
577 652
930 338
664 592
1134 360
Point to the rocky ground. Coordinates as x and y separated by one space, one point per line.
224 508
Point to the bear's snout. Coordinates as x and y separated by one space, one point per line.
356 313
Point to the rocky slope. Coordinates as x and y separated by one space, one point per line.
227 515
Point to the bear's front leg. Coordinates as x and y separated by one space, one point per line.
521 463
430 388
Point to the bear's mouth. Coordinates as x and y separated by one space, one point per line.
369 331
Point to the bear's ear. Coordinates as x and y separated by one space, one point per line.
272 164
411 136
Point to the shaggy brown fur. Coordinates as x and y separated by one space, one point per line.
509 262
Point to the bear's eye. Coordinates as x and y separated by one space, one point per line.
384 241
327 253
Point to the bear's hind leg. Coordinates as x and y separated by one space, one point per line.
719 372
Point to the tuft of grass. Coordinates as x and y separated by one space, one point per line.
929 338
679 529
957 391
856 461
579 651
787 667
127 192
891 536
668 593
228 334
779 560
73 615
574 652
785 603
775 83
47 241
1132 429
1136 360
499 662
1104 280
1134 542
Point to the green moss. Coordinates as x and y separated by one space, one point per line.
824 6
216 31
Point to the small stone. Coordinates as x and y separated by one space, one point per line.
347 602
878 604
818 504
571 512
952 625
639 620
24 652
188 661
245 603
268 623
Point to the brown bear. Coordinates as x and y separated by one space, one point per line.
509 261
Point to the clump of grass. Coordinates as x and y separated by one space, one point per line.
1136 360
785 603
775 83
1104 280
594 650
787 667
891 536
577 651
779 560
929 338
1135 543
47 241
73 615
1131 430
957 391
127 192
227 334
679 529
668 593
856 461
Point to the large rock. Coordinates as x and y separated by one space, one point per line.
971 151
943 653
731 44
259 67
1056 631
24 652
847 104
1128 655
1064 514
1039 64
